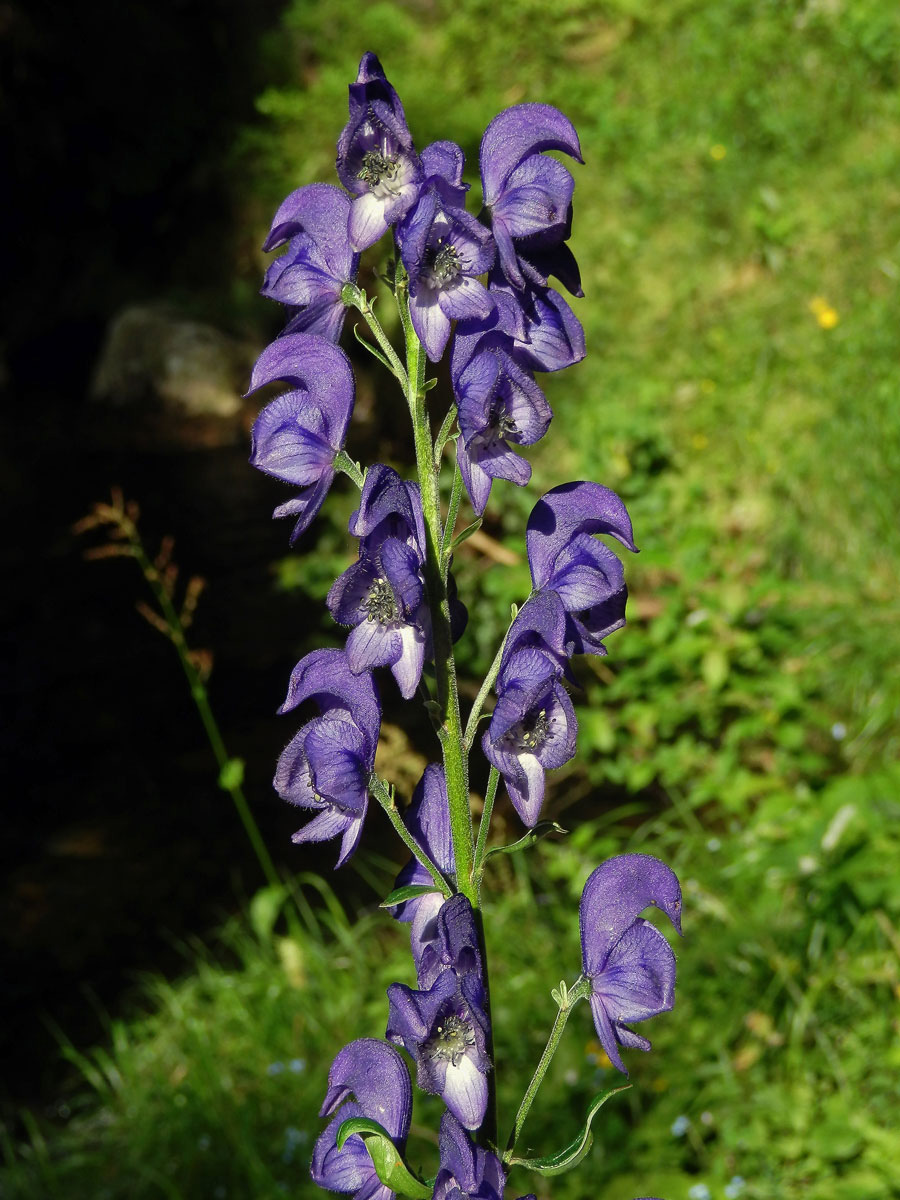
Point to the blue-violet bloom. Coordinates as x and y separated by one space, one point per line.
467 1172
628 961
318 262
565 558
367 1079
445 1029
326 766
533 728
499 405
527 194
428 819
376 161
444 249
297 436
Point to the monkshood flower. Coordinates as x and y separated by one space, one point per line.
455 945
444 249
547 336
628 961
382 595
533 728
376 161
566 559
297 435
428 819
327 764
318 262
467 1172
499 405
540 624
527 194
444 1027
367 1079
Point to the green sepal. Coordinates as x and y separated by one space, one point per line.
373 350
534 835
571 1156
401 894
389 1166
466 533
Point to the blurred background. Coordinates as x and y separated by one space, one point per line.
168 1015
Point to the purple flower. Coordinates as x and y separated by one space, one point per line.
540 624
532 729
297 435
367 1079
629 963
455 944
445 1027
547 335
585 573
467 1172
428 820
376 161
382 595
499 405
528 195
309 276
327 764
443 249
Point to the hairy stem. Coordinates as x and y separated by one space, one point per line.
567 999
385 798
355 296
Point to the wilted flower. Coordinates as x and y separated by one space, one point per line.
367 1079
326 766
297 435
628 961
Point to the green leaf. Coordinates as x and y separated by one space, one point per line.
571 1156
264 910
401 894
232 774
534 835
466 533
389 1166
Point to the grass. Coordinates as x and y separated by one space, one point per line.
738 227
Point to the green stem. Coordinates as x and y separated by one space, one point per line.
567 999
443 435
450 523
344 463
485 824
484 690
450 726
201 700
385 798
352 295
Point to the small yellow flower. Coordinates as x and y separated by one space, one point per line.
699 441
718 152
826 316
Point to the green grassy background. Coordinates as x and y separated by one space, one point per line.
738 227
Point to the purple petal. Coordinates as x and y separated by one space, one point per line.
407 669
536 198
372 645
325 675
289 440
373 1073
368 222
518 132
467 299
318 367
320 210
615 895
305 506
465 1092
432 326
638 980
476 480
569 509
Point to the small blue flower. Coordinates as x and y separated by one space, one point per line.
275 1068
680 1126
297 1065
700 1192
735 1187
